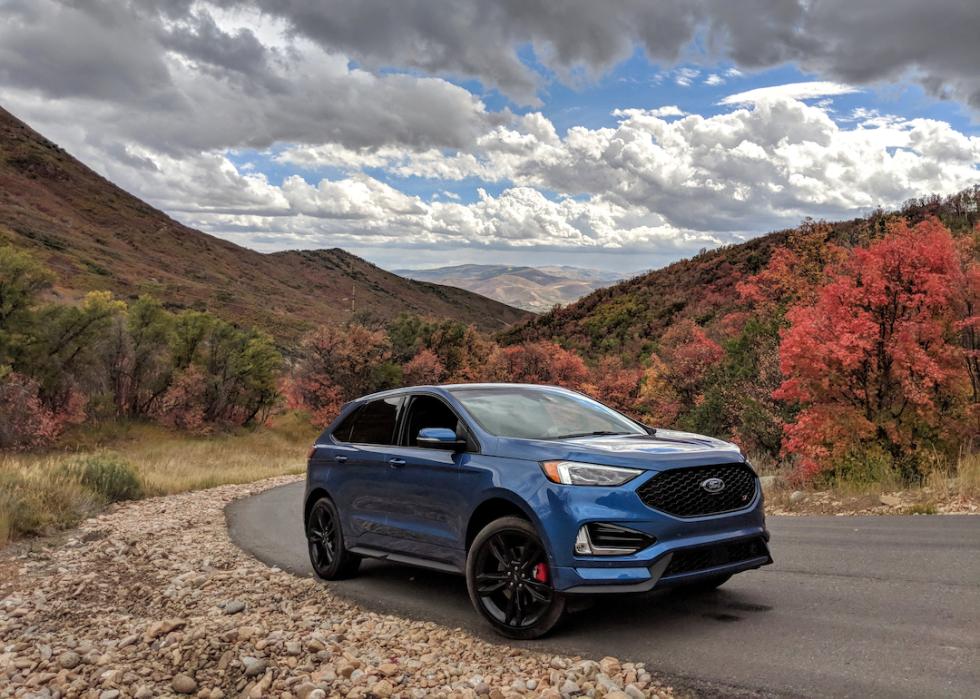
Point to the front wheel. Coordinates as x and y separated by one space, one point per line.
509 580
325 539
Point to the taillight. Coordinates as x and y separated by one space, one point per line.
312 452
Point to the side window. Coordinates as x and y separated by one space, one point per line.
342 433
427 411
376 422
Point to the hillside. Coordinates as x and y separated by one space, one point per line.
628 318
533 288
97 236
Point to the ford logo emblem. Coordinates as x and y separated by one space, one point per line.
713 485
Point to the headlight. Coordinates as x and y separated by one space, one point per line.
575 473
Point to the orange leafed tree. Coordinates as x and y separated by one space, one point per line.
689 355
876 361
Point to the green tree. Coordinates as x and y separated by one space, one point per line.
22 279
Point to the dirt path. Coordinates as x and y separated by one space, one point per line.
152 598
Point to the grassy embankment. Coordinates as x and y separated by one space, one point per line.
948 487
43 492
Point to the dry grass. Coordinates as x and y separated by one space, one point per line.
968 476
948 486
40 493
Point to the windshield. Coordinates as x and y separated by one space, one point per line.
536 413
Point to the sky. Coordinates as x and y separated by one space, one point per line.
620 135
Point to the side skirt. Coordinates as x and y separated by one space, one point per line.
406 559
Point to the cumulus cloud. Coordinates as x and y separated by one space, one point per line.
756 167
655 181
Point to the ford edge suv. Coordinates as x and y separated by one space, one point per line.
534 493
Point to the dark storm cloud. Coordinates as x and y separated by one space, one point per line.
861 41
93 50
170 78
199 38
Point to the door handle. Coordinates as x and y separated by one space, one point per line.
340 459
396 463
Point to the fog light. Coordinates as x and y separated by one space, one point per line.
603 539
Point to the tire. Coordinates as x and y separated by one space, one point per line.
325 543
504 578
707 584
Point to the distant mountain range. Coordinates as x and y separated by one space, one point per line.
95 236
534 288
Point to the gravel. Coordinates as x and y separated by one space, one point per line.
151 598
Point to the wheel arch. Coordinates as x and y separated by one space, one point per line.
311 498
495 506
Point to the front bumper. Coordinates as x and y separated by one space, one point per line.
663 572
686 548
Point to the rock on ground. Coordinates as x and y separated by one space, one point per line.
152 598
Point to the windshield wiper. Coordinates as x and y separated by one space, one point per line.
597 433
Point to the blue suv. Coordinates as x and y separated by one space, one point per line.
535 493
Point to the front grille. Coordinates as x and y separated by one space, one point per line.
690 560
612 536
680 491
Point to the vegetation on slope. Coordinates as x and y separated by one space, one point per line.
95 236
845 348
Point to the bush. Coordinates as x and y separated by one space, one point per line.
109 476
37 501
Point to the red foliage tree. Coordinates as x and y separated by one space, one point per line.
616 385
24 419
538 362
875 362
184 404
337 365
423 368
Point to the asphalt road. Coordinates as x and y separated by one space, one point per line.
853 606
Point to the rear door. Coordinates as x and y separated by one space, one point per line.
362 483
426 510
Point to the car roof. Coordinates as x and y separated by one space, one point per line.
448 387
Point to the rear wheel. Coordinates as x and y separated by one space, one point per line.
325 539
509 580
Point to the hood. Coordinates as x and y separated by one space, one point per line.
665 449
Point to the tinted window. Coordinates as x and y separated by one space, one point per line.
535 413
428 411
376 421
342 433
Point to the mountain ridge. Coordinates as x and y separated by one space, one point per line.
94 235
533 288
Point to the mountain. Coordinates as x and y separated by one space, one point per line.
94 236
534 288
628 319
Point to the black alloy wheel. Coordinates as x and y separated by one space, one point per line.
329 558
509 580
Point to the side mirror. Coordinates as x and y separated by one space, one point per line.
440 438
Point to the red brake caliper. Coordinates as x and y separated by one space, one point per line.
541 573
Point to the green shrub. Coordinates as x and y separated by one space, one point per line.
110 476
866 466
